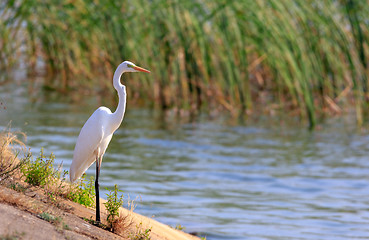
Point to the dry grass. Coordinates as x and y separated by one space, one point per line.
7 140
10 164
121 224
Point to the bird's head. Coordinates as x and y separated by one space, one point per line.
128 66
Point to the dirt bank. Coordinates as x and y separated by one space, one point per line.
31 215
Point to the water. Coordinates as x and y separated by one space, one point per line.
222 180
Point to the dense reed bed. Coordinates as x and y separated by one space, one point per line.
307 57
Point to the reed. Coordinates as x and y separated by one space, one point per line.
308 57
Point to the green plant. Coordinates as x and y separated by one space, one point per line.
180 227
40 171
18 187
82 192
113 204
55 220
50 218
57 187
141 234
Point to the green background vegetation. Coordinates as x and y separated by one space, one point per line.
308 57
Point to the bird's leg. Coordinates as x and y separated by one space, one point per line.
97 190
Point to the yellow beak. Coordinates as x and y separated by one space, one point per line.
140 69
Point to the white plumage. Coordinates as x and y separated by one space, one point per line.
92 141
97 132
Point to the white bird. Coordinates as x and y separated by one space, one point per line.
97 132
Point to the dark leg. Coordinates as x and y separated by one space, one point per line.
97 190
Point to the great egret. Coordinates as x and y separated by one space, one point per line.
97 132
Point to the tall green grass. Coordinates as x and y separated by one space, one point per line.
308 57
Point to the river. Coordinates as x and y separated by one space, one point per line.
220 179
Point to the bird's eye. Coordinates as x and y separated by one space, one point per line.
130 65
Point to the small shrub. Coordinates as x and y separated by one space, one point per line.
50 218
180 227
56 187
17 187
83 193
40 171
116 223
141 234
57 221
113 204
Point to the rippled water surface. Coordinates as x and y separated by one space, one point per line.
221 180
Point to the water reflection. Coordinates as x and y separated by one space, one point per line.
227 181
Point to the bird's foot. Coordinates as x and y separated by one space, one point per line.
97 224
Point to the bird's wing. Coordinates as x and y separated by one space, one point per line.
88 143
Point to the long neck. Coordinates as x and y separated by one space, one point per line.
121 89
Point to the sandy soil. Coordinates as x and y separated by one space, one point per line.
21 216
